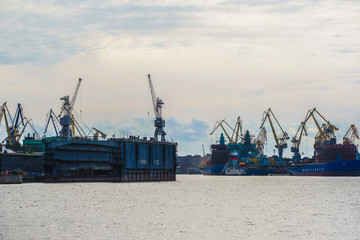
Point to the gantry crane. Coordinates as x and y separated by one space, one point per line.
67 118
159 122
351 135
280 141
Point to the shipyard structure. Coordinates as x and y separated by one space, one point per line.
118 159
72 159
72 156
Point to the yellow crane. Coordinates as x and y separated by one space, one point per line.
97 133
351 135
13 127
260 141
280 141
236 134
325 132
3 114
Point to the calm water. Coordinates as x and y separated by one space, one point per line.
193 207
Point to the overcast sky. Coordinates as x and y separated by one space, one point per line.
209 60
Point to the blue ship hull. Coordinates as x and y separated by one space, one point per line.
213 170
113 160
335 168
256 171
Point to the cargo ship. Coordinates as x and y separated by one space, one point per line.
332 160
219 158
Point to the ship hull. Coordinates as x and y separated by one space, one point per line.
257 171
335 168
113 160
213 170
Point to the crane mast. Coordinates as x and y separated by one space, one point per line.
67 119
296 140
159 123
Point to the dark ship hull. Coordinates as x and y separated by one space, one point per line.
114 160
219 158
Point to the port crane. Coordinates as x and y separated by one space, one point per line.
16 129
159 122
351 135
55 121
296 140
283 136
236 131
4 112
66 112
260 141
325 133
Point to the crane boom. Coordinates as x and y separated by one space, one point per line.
260 141
159 123
4 110
73 98
153 96
351 135
55 121
220 124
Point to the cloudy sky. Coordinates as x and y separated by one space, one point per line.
209 60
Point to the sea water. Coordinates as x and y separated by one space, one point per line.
193 207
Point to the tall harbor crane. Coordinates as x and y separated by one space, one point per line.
66 111
296 140
55 121
6 114
159 122
325 133
260 141
236 134
283 136
351 135
16 129
13 130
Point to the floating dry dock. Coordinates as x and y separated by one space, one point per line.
115 160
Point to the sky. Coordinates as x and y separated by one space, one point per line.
208 60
